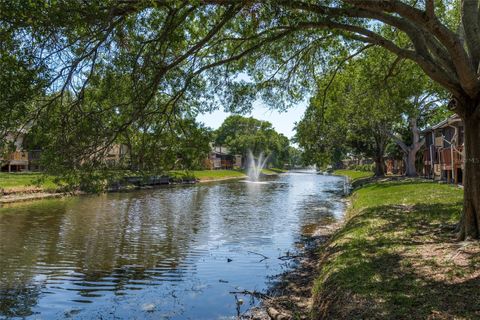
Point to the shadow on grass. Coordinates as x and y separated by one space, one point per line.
376 268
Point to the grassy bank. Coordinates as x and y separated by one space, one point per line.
26 181
19 182
396 257
353 174
207 175
273 171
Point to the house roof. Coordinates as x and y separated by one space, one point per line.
450 120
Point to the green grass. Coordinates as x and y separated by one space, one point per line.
26 181
396 258
205 175
19 181
353 174
272 171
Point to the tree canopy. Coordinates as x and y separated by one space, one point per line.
241 134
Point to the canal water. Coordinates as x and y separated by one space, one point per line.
168 253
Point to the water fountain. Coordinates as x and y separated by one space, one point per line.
255 167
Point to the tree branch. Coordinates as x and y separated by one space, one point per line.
463 66
365 35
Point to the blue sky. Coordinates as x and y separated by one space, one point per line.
283 122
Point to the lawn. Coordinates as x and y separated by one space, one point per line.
18 182
273 171
22 181
354 175
205 175
396 257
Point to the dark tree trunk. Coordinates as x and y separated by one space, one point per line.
470 223
379 167
381 139
410 159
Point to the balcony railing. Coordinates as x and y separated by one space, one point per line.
458 155
221 164
447 154
16 156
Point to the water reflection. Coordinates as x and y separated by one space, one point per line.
171 252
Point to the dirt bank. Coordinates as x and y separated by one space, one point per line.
291 297
22 197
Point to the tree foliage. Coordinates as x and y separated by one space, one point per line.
358 109
241 134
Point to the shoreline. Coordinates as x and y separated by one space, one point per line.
26 194
26 197
321 284
333 275
292 297
221 179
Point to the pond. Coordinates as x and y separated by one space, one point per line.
168 253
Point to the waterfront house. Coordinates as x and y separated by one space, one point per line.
115 154
443 157
20 156
14 158
220 157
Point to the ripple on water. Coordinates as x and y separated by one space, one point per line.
175 251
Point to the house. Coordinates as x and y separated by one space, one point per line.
220 158
115 154
24 158
443 157
16 160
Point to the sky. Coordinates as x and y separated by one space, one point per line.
283 122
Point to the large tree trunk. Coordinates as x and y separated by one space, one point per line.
411 170
379 167
410 159
470 223
381 139
410 151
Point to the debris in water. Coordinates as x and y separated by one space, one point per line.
148 307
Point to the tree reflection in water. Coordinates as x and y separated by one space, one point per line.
172 252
